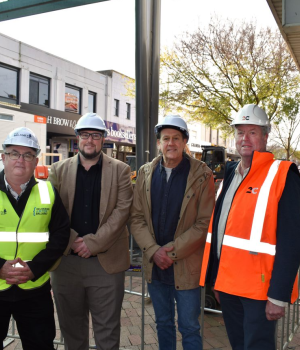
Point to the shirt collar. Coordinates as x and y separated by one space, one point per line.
177 168
237 170
13 193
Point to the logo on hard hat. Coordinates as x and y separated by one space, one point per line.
24 135
246 117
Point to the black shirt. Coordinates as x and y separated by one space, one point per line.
86 207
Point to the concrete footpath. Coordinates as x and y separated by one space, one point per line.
215 336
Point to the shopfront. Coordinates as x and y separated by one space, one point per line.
120 140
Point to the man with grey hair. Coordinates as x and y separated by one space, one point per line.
34 232
252 255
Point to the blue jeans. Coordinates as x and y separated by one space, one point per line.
163 297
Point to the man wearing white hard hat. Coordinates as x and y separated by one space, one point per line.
252 255
172 205
34 232
97 193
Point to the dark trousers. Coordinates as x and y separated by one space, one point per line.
35 321
246 323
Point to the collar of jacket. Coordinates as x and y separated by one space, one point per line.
3 188
261 157
197 169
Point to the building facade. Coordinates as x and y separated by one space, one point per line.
49 94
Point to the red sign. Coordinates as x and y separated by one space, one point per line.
40 119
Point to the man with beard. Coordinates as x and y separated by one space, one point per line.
97 193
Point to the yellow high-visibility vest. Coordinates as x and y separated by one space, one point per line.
24 237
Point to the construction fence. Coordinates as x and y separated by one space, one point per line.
286 327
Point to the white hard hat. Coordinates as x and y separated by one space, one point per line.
251 114
22 137
91 121
173 122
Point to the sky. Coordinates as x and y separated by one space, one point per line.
102 36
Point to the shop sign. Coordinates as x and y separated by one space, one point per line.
40 119
61 122
195 145
120 133
71 123
58 122
108 145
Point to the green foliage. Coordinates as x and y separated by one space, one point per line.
129 84
214 71
285 128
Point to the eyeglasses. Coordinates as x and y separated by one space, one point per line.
86 135
28 157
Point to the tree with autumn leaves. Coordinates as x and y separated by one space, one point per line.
216 70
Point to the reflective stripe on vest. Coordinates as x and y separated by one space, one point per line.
249 243
23 237
17 238
208 237
44 192
219 189
254 244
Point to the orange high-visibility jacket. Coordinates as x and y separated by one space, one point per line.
249 243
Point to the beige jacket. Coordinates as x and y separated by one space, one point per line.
190 235
110 243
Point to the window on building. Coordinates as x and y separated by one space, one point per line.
116 107
39 90
92 102
72 99
6 117
9 82
128 110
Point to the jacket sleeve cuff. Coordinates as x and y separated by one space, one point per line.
2 262
150 252
278 302
73 236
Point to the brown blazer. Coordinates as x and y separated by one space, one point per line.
110 242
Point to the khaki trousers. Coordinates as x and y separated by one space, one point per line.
81 286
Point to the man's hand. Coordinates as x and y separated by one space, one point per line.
7 267
16 275
161 258
81 248
274 312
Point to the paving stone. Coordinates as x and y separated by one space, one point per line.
215 336
149 339
131 312
134 339
214 342
134 330
125 321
